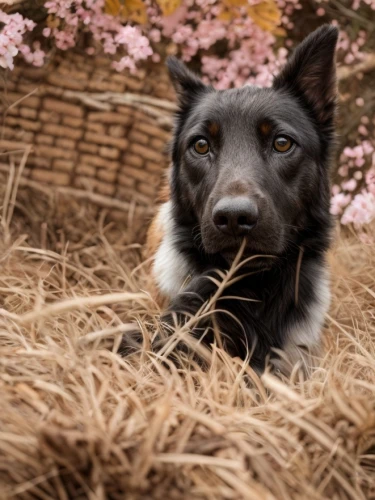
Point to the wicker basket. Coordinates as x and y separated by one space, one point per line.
90 127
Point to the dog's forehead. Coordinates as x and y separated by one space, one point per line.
248 105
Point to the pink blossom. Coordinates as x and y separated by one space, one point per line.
360 102
338 202
11 37
343 170
367 147
87 15
125 62
349 152
362 130
359 162
349 185
361 210
154 35
370 180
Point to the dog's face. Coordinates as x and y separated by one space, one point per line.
252 162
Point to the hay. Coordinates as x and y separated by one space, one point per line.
77 421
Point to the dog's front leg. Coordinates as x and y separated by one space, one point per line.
190 315
185 317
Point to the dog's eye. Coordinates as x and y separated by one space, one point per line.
282 144
201 146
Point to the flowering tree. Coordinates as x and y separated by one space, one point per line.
231 42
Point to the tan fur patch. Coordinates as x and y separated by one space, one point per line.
213 128
265 128
164 192
155 236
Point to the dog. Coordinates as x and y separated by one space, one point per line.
251 167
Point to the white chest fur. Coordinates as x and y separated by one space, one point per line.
303 340
170 266
307 333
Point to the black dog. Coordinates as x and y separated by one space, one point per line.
252 164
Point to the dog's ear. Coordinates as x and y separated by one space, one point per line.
310 73
185 82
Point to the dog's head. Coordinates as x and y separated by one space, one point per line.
253 162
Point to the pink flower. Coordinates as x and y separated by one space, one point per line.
370 180
338 202
11 37
88 16
360 102
359 162
125 62
362 130
360 211
367 147
155 35
343 170
349 185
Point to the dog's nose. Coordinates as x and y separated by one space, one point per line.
235 215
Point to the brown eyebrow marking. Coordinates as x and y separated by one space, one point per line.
265 128
213 128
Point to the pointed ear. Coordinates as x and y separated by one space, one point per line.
185 82
310 73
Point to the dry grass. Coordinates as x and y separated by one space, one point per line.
77 421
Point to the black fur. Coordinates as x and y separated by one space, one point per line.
291 191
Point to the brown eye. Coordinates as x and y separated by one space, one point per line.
201 146
282 144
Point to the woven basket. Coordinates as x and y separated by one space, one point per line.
90 128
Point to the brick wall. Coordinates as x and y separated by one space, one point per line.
82 139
